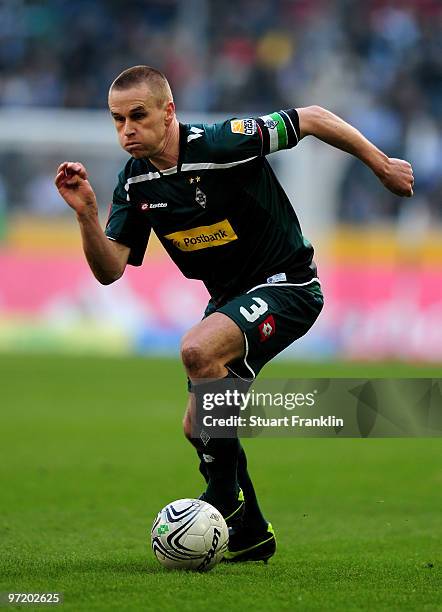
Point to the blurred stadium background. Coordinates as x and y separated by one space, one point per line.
376 63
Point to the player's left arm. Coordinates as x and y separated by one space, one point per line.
395 174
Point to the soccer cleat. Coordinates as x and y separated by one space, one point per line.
232 514
250 546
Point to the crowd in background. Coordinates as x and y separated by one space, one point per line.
376 63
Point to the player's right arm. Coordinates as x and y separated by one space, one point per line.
244 139
395 174
107 259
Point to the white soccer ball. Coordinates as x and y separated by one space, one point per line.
189 534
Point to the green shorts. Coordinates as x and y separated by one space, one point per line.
271 317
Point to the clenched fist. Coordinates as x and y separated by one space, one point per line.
73 185
397 176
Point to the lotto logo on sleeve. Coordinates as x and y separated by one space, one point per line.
266 328
243 126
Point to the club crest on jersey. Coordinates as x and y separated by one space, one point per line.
200 197
266 328
243 126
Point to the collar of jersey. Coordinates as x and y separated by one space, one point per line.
177 168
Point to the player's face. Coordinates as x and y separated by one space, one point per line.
140 122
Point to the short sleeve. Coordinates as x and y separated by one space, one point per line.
127 225
242 139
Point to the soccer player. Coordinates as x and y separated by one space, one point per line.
215 204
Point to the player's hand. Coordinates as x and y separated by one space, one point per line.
74 187
397 176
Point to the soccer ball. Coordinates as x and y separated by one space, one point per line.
189 534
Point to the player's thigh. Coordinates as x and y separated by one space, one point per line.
216 338
271 318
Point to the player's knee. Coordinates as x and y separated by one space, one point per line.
196 360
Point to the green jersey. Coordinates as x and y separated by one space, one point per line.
220 213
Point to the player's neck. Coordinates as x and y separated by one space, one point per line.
168 156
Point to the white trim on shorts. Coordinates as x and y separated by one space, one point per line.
244 359
313 280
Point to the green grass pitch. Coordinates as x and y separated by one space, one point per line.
92 448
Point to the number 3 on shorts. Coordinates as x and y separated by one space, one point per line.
255 310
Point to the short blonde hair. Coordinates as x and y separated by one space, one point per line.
154 79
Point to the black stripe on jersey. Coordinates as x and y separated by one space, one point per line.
264 133
291 120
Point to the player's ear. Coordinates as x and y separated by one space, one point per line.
170 113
